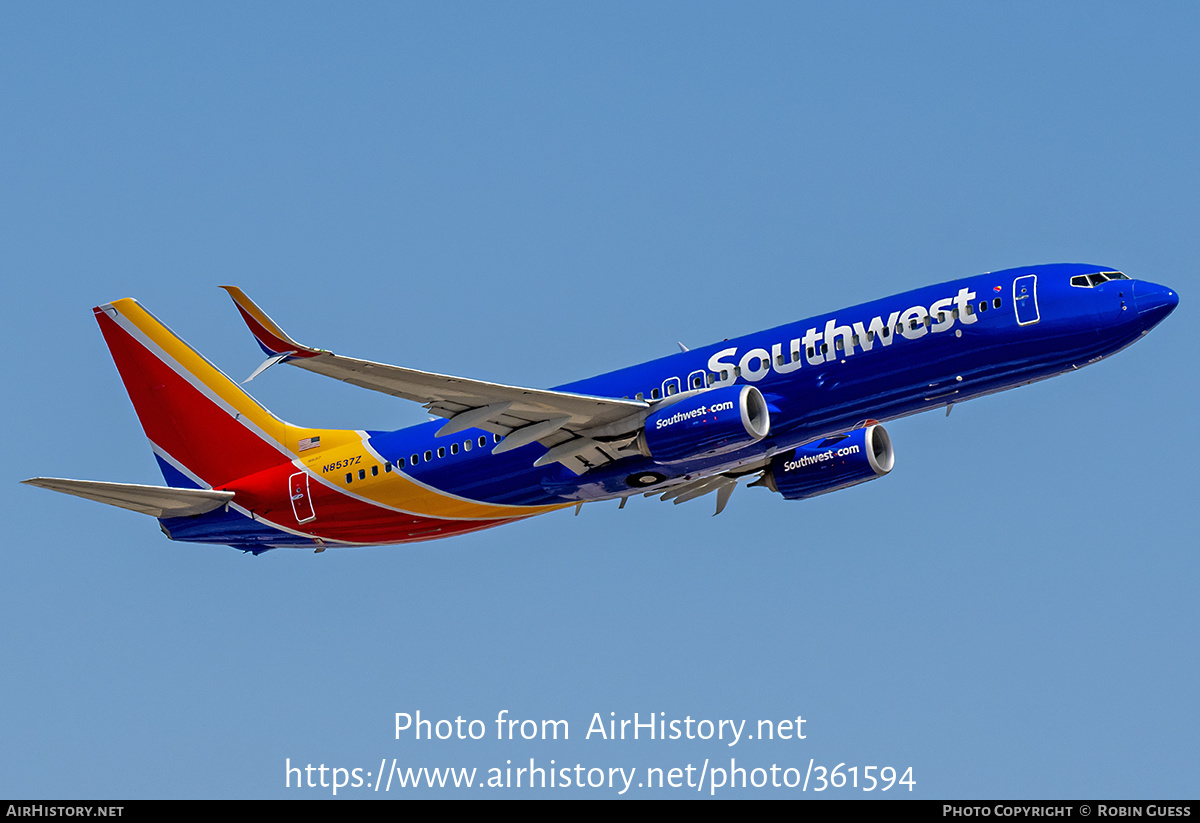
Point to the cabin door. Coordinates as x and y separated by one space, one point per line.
302 505
1025 299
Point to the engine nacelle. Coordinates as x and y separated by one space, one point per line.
834 463
711 422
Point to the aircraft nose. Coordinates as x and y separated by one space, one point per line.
1154 302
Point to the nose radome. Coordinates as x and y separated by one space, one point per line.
1153 301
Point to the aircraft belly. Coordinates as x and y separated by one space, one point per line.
259 532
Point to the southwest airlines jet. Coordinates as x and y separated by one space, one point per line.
796 408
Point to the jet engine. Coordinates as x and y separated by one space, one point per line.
830 464
706 423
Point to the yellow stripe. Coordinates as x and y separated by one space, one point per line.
194 363
391 489
401 492
398 491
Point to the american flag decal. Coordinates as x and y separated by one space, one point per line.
309 443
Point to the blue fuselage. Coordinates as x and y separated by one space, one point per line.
893 357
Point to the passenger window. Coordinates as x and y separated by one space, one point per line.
362 474
428 456
983 306
454 448
387 467
482 441
996 302
441 451
349 477
654 394
414 459
374 471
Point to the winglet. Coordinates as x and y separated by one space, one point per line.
273 340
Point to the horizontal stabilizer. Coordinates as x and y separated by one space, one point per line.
156 501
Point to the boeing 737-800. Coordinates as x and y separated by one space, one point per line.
796 408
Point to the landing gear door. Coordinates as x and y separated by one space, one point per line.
302 505
1025 299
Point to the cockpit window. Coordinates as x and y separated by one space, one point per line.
1087 281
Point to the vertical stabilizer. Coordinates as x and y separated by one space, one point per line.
205 430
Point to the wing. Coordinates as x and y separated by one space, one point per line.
581 431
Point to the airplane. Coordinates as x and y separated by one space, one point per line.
797 408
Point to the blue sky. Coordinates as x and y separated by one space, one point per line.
535 193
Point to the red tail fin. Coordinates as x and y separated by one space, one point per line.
196 417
